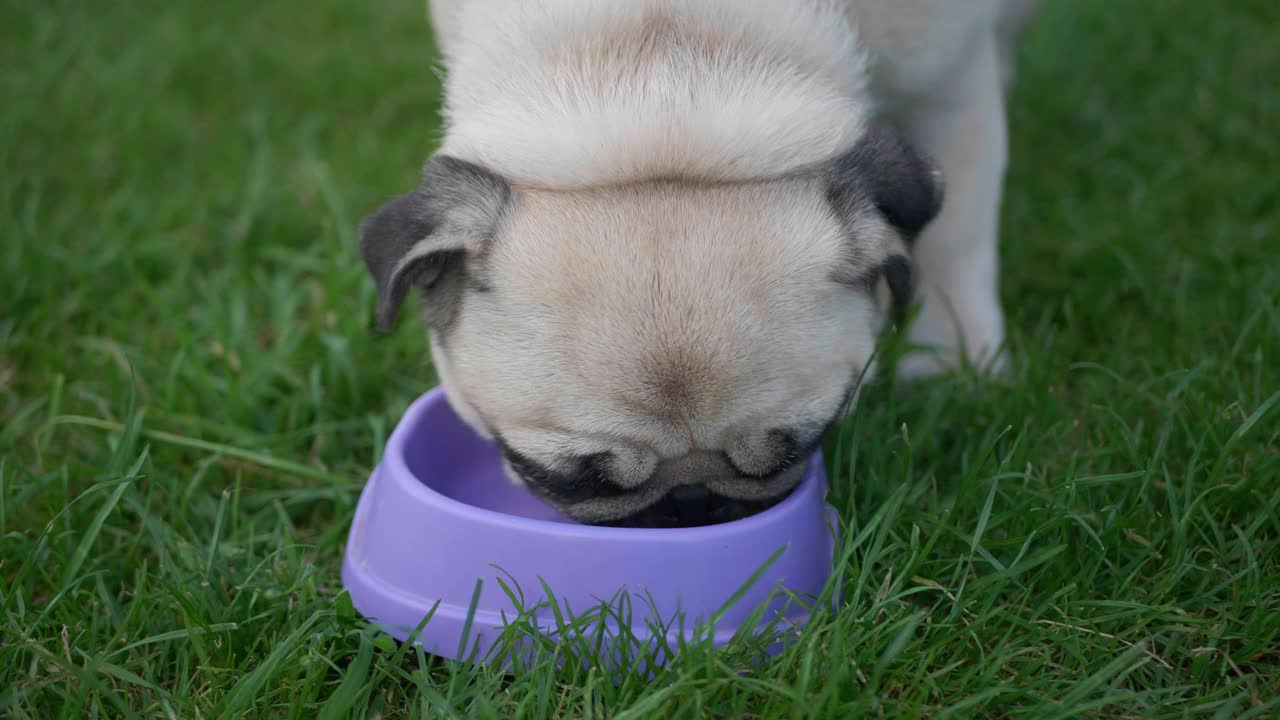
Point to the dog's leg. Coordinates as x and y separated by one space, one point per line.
440 14
1013 21
962 126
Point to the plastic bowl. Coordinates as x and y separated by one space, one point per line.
439 525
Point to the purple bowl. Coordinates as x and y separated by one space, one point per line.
439 514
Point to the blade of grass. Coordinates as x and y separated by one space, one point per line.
246 689
260 459
353 683
95 526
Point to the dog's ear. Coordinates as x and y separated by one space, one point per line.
884 168
884 171
423 238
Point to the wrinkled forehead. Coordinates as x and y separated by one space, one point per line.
671 299
666 242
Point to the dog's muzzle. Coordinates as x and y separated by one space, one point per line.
700 488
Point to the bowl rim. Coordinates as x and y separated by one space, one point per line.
393 463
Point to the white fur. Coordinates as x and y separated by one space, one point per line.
528 92
652 146
822 68
956 257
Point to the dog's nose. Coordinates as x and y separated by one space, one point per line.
694 503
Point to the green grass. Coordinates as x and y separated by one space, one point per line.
191 397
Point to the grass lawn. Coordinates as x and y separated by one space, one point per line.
191 396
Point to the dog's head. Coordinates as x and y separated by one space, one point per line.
658 342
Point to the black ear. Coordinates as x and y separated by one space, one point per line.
884 169
899 275
422 237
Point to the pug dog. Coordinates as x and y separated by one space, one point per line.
660 238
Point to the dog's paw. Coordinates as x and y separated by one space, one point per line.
927 362
944 342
